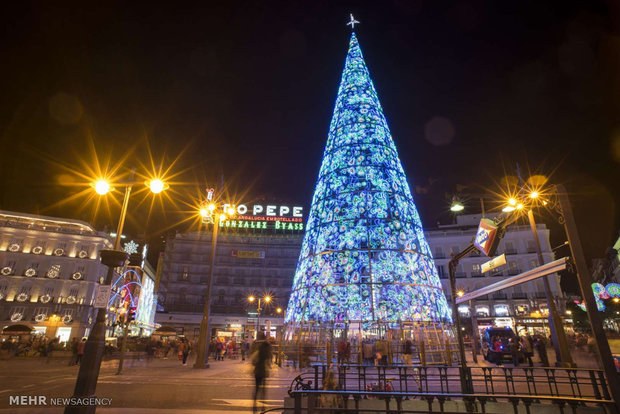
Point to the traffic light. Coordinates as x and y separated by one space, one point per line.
131 314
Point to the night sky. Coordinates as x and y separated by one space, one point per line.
246 90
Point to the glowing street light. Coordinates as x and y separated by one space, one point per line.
456 207
512 202
534 194
460 293
508 209
251 299
278 310
265 299
102 187
214 214
157 185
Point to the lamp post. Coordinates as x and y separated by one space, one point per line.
555 322
213 214
86 381
267 299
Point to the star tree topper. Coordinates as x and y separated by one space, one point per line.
352 22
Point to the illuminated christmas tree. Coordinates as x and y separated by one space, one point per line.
364 257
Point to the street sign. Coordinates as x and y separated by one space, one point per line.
102 296
486 237
493 263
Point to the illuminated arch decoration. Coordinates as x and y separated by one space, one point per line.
128 290
364 256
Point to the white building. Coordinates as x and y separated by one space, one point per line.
521 307
49 269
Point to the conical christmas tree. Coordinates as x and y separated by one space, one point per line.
364 257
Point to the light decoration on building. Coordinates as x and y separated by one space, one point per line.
83 254
40 317
59 252
612 290
37 250
364 256
67 319
54 272
6 270
2 295
17 316
30 272
70 300
22 297
131 247
14 247
45 298
76 276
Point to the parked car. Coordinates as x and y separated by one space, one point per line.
504 335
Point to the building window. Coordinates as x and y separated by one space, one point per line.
53 272
439 253
512 268
510 248
501 310
482 310
476 270
464 310
441 271
531 246
521 310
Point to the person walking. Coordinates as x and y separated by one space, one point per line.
407 351
344 351
81 346
513 345
186 348
382 351
74 352
541 347
261 359
526 346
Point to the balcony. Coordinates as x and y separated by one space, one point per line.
510 252
540 295
500 296
519 295
513 272
477 274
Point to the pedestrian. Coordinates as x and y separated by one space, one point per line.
187 347
261 359
74 351
367 352
220 350
541 347
344 351
382 351
81 347
244 349
526 347
513 345
407 351
497 351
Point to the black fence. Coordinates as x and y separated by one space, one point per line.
525 384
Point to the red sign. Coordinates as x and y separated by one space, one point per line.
486 237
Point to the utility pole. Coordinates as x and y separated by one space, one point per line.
585 285
555 322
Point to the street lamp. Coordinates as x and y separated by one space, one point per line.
555 321
90 365
456 205
266 299
210 213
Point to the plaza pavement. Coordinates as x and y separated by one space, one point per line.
161 386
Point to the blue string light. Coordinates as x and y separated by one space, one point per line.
364 256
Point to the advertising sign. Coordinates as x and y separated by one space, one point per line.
493 263
247 254
102 296
486 237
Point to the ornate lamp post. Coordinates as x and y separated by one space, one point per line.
90 365
211 213
266 299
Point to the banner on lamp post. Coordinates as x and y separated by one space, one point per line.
486 237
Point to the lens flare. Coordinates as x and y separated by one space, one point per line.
102 187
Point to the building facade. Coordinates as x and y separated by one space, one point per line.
261 264
246 264
522 307
49 270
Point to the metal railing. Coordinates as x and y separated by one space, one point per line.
517 385
311 401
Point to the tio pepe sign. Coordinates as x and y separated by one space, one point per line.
267 212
